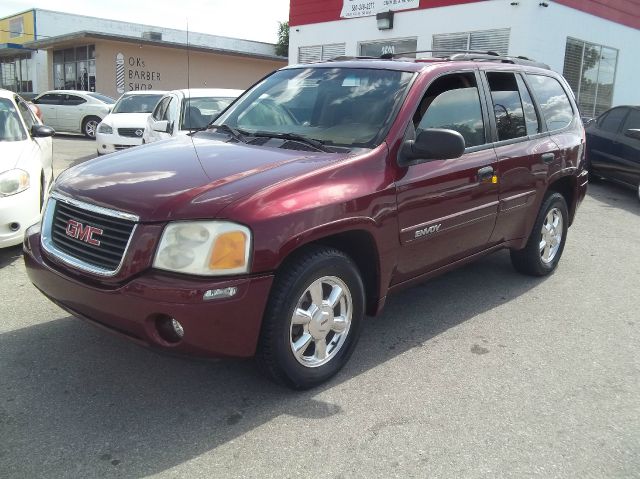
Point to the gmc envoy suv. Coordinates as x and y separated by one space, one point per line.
320 191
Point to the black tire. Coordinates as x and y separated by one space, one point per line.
90 126
275 354
530 260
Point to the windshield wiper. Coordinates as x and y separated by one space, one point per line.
317 144
236 134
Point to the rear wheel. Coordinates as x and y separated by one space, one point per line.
545 245
90 126
313 318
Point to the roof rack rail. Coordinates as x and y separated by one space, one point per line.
503 58
473 55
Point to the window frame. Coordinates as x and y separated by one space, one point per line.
68 97
568 93
625 126
483 107
30 117
496 136
606 114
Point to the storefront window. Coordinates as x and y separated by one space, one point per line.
590 70
15 74
75 68
384 47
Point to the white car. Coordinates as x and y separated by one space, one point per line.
182 111
124 126
25 167
72 111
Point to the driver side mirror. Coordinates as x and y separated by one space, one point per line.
633 133
42 131
161 126
432 144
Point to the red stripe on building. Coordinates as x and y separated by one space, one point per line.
625 12
305 12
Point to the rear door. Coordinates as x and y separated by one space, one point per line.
71 113
447 208
524 152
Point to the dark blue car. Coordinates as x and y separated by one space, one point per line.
613 146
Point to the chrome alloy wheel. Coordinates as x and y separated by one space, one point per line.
90 128
321 321
551 235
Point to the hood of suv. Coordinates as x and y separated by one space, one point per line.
164 180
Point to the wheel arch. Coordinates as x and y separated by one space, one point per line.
359 245
567 187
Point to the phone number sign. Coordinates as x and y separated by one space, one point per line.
366 8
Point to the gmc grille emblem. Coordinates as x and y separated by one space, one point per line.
83 232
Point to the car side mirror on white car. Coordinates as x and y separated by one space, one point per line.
161 126
42 131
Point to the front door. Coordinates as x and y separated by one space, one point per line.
447 208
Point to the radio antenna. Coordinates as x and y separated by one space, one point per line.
188 106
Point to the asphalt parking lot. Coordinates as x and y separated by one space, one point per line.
479 373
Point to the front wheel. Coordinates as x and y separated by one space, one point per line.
545 245
313 318
90 126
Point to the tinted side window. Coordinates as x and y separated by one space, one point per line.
530 114
49 99
73 100
553 100
171 113
453 102
611 121
158 113
633 120
26 114
507 106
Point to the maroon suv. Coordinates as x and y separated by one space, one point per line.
315 195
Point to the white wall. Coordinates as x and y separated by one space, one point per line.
536 32
52 24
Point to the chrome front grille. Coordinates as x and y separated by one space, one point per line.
131 132
86 236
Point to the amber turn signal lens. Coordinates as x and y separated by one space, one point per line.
228 251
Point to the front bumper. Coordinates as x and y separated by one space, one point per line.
223 327
110 143
23 210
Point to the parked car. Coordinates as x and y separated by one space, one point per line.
613 146
72 111
124 126
182 111
318 193
25 167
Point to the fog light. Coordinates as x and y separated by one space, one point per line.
169 329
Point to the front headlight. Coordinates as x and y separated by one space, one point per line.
13 182
208 248
105 129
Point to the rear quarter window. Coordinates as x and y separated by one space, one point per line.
554 103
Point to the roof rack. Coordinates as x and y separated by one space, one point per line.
473 55
452 55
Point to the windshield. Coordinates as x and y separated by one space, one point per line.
349 107
10 125
136 103
103 98
199 112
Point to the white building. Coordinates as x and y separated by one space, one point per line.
593 43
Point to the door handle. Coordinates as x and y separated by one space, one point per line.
485 173
548 157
